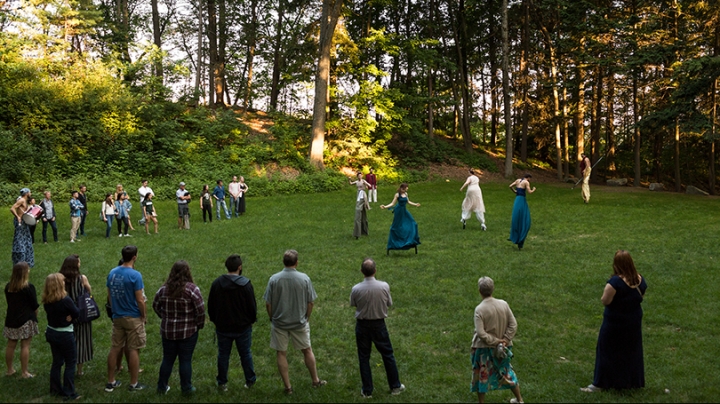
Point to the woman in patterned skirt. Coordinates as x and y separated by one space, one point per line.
75 285
22 247
21 319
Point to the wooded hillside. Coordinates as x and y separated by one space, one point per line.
124 87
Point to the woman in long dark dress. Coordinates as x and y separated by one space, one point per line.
22 247
521 212
75 285
619 354
243 192
404 229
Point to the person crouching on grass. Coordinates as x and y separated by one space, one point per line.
61 311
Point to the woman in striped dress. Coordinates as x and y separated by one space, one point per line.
75 285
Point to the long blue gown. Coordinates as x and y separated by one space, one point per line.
520 219
404 230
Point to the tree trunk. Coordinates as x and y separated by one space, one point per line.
556 99
678 179
636 130
492 54
525 80
461 47
275 86
157 40
596 118
579 118
566 132
330 14
252 42
212 34
610 124
431 74
220 86
506 92
200 58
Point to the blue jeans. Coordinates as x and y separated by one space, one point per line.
52 224
224 206
243 341
368 332
109 225
62 345
235 206
183 350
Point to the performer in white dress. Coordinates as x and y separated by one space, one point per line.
473 200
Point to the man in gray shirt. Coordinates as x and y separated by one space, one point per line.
289 298
372 299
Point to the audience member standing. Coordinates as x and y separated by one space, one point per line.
32 205
243 193
22 248
107 210
361 206
76 284
82 197
75 215
619 362
122 209
181 307
234 191
127 300
61 312
289 301
219 195
21 322
48 217
149 213
371 178
183 200
144 190
206 203
495 328
372 299
232 308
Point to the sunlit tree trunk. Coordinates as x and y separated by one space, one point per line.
506 92
330 14
525 79
566 132
555 99
277 54
157 39
610 125
220 80
636 130
212 44
579 117
596 121
252 42
200 54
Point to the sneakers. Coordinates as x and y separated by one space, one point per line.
397 390
189 392
591 388
163 391
222 387
109 387
515 401
120 235
128 235
249 385
363 395
137 387
483 227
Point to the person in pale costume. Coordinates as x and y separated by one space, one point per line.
473 201
586 169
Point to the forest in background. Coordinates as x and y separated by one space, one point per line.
106 91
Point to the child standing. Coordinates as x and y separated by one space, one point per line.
149 212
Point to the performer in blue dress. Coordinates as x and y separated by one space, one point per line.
404 229
521 213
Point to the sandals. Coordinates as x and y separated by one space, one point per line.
288 390
591 388
319 383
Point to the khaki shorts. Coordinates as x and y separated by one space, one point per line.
300 337
128 331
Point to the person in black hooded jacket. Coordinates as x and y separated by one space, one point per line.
233 310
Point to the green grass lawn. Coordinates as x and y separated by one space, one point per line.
553 286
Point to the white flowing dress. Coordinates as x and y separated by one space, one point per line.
473 200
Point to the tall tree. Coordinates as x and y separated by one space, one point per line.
506 91
328 21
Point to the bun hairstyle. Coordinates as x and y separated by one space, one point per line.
527 176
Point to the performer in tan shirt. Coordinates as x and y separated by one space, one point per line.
495 327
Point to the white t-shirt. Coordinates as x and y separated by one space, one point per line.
143 191
234 188
179 193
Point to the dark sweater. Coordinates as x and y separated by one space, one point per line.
21 306
57 312
231 304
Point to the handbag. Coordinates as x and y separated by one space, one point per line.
88 308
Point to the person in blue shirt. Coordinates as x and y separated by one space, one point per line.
219 195
126 295
76 209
